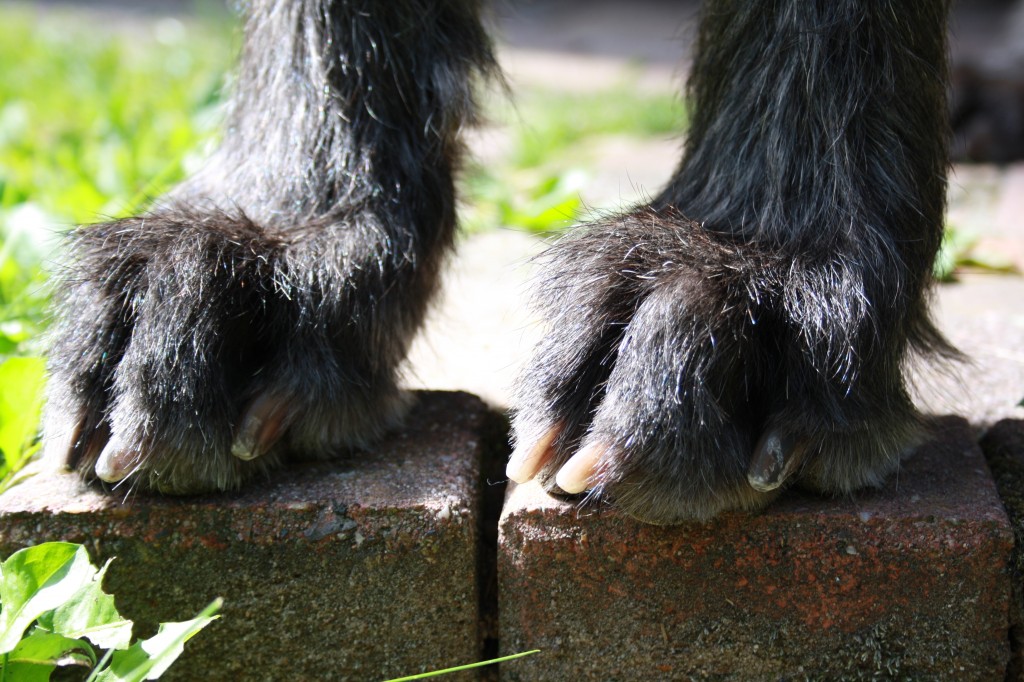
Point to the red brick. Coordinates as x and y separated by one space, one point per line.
360 569
910 581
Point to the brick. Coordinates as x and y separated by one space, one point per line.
365 568
1003 445
910 581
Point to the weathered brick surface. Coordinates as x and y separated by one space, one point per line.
361 569
1004 449
907 582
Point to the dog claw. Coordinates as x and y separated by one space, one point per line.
776 457
264 423
577 474
526 461
116 462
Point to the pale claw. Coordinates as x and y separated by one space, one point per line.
526 461
577 474
116 462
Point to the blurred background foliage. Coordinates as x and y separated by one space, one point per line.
94 120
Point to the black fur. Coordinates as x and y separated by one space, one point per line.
779 281
289 274
777 285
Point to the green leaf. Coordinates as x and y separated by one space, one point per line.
26 672
542 218
91 613
21 402
960 250
44 648
944 267
35 580
148 659
550 204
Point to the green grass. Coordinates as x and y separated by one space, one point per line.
554 123
536 185
93 121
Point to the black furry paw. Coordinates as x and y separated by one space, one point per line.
196 350
685 373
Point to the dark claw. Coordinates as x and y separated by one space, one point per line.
776 457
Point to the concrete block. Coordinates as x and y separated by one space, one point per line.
365 568
1003 445
910 581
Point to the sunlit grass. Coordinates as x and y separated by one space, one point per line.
536 184
92 118
93 121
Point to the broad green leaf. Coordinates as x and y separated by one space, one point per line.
148 659
91 613
26 672
35 580
44 648
21 403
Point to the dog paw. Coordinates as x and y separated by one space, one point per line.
194 351
684 374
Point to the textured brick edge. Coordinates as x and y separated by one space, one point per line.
581 588
1003 445
398 525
